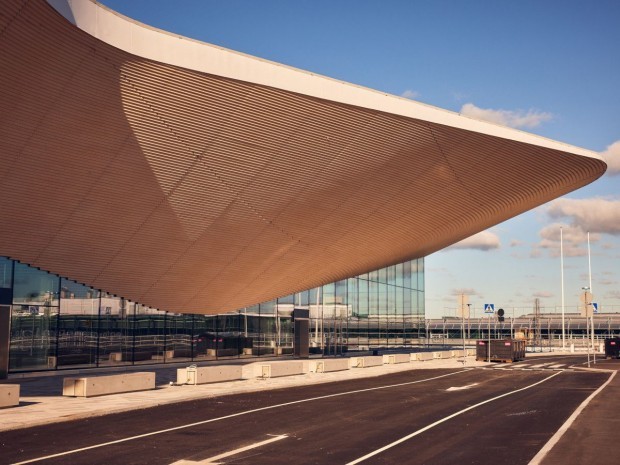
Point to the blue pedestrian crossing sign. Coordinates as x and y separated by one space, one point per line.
595 307
489 308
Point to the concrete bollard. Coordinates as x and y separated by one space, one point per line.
9 395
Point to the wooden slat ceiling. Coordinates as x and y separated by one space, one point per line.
191 192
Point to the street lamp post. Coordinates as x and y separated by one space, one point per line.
586 305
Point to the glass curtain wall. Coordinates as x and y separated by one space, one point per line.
57 323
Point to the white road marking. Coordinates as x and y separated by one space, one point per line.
214 460
233 415
518 414
461 388
567 424
443 420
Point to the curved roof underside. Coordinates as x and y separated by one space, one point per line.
195 179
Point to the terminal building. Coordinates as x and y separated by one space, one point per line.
165 199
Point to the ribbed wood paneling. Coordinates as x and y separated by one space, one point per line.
195 193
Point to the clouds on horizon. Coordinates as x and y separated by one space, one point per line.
514 119
611 155
574 241
484 241
543 294
595 215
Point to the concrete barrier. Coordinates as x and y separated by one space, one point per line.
274 369
9 395
459 353
223 352
365 362
329 364
424 356
396 358
129 356
110 384
210 374
445 354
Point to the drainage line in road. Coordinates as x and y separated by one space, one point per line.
198 423
443 420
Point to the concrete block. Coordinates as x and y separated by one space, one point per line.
365 362
424 356
329 364
9 395
436 355
459 353
274 369
223 352
446 354
210 374
109 384
396 358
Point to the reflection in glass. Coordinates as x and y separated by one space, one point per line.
78 322
33 338
116 332
58 323
35 287
6 273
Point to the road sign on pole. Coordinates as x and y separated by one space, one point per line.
489 308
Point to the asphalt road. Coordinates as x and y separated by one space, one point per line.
470 416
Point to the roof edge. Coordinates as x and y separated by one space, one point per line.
155 44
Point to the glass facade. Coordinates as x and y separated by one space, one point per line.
57 323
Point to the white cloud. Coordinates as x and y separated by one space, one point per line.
411 94
611 155
612 295
514 119
484 240
516 243
597 215
574 241
543 294
466 291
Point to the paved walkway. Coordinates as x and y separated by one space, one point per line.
41 399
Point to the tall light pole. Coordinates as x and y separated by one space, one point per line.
586 304
562 278
592 314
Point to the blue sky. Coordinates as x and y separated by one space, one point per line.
551 68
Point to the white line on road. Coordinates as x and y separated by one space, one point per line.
559 433
461 388
443 420
213 460
233 415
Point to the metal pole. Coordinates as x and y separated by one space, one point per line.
592 329
592 306
562 275
587 332
463 330
489 348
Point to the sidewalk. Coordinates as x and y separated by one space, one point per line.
41 400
